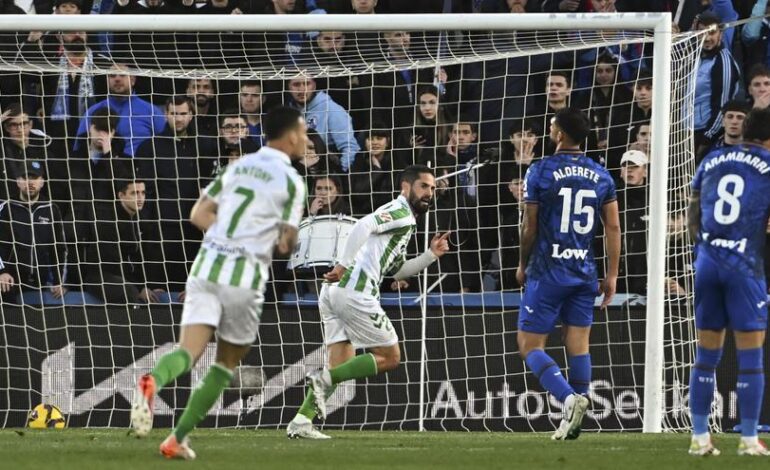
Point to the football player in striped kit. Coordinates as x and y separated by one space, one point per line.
349 301
250 210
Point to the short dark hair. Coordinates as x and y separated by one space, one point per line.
757 70
124 173
412 173
103 120
644 78
280 120
574 123
250 83
527 124
466 122
562 73
607 58
179 100
379 129
231 113
756 127
736 106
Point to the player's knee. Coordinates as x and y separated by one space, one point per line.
391 360
525 346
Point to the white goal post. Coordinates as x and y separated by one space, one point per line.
659 23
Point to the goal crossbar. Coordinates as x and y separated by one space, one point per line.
282 23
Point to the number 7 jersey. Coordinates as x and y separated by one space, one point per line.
734 186
255 196
570 190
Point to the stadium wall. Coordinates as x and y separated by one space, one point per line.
86 360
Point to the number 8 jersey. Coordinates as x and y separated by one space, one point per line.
734 186
255 196
570 190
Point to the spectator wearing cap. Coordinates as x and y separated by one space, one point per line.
717 82
329 119
625 117
138 119
19 143
33 249
632 199
733 114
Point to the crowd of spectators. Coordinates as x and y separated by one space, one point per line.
99 173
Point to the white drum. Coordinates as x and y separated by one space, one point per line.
321 241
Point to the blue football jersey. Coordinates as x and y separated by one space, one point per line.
734 186
570 190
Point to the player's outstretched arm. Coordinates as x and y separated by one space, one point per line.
693 216
611 220
527 239
204 213
439 246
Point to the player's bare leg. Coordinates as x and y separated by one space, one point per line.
203 398
702 383
301 427
531 348
193 341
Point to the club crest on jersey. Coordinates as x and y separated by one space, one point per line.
568 253
383 218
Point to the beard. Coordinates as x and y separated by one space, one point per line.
202 100
419 205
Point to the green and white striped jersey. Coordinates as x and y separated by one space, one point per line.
255 196
384 251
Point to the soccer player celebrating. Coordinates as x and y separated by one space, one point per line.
349 301
251 209
563 194
727 218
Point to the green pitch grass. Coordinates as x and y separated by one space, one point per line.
243 449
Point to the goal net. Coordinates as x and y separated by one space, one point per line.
125 127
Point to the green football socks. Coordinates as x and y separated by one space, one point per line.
202 399
358 367
171 366
308 406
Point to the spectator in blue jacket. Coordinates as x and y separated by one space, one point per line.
755 34
138 119
329 119
717 82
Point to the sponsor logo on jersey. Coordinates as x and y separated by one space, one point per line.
568 253
738 245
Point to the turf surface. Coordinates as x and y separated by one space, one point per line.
235 449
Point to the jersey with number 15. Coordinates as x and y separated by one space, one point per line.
570 190
255 196
734 186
